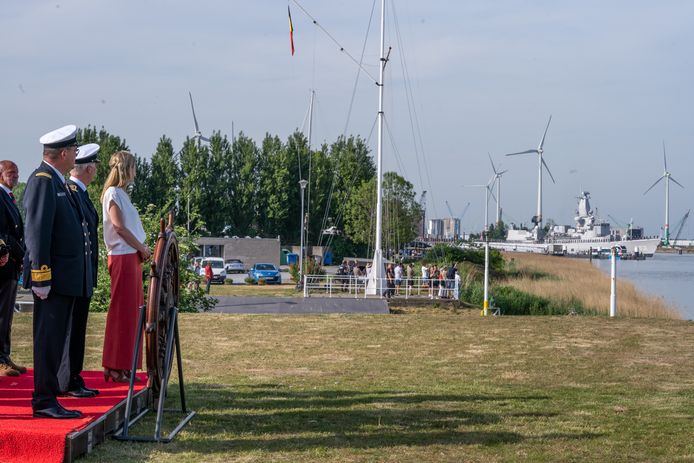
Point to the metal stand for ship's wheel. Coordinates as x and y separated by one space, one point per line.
161 338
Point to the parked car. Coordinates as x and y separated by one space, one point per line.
269 272
234 266
219 274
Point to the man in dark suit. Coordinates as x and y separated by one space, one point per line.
12 233
71 381
57 265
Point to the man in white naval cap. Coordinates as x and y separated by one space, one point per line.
57 264
70 378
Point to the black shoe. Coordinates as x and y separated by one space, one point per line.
57 412
93 391
80 392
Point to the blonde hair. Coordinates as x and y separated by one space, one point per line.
121 164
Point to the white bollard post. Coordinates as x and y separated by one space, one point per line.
613 285
486 279
305 287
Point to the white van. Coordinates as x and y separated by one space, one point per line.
218 271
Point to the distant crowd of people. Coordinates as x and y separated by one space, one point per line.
438 282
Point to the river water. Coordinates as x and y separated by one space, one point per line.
666 275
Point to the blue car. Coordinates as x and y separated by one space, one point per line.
269 272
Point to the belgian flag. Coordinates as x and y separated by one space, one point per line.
291 30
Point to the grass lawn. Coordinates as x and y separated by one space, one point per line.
423 387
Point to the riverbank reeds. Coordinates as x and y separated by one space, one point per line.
566 279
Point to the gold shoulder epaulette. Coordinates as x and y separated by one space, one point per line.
73 188
42 274
44 174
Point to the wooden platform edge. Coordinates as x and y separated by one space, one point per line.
83 441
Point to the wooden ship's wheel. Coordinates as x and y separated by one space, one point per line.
161 297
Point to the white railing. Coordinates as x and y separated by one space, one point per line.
353 286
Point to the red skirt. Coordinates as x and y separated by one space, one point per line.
121 323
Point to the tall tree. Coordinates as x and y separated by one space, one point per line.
164 176
274 189
193 166
401 212
140 194
216 205
243 184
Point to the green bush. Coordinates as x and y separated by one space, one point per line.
513 301
311 268
442 254
294 272
250 281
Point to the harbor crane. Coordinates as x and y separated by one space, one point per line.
680 226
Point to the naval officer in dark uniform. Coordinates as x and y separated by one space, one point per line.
71 381
12 233
57 265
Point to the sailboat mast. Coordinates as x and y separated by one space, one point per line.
310 162
376 275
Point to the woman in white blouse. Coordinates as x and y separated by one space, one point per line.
125 242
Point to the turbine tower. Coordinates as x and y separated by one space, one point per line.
198 135
487 192
497 179
540 163
668 178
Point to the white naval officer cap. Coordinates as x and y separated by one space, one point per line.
60 138
87 153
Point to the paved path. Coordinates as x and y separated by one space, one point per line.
298 305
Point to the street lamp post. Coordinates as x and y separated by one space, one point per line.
303 184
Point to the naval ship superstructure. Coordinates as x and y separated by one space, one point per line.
588 235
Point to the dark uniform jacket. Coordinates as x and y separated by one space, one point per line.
92 218
58 253
12 233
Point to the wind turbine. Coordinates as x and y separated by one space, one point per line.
198 135
497 179
540 162
668 178
487 193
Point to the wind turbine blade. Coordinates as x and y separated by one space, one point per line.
664 158
522 152
204 139
492 163
673 179
542 143
502 172
548 171
491 193
195 119
474 186
656 182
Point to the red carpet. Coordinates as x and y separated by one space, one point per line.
24 439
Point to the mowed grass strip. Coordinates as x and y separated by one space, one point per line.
423 387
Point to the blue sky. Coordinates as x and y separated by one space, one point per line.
616 76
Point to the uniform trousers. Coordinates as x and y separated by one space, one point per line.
71 367
8 297
127 296
52 320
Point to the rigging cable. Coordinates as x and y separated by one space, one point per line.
342 49
416 129
351 104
